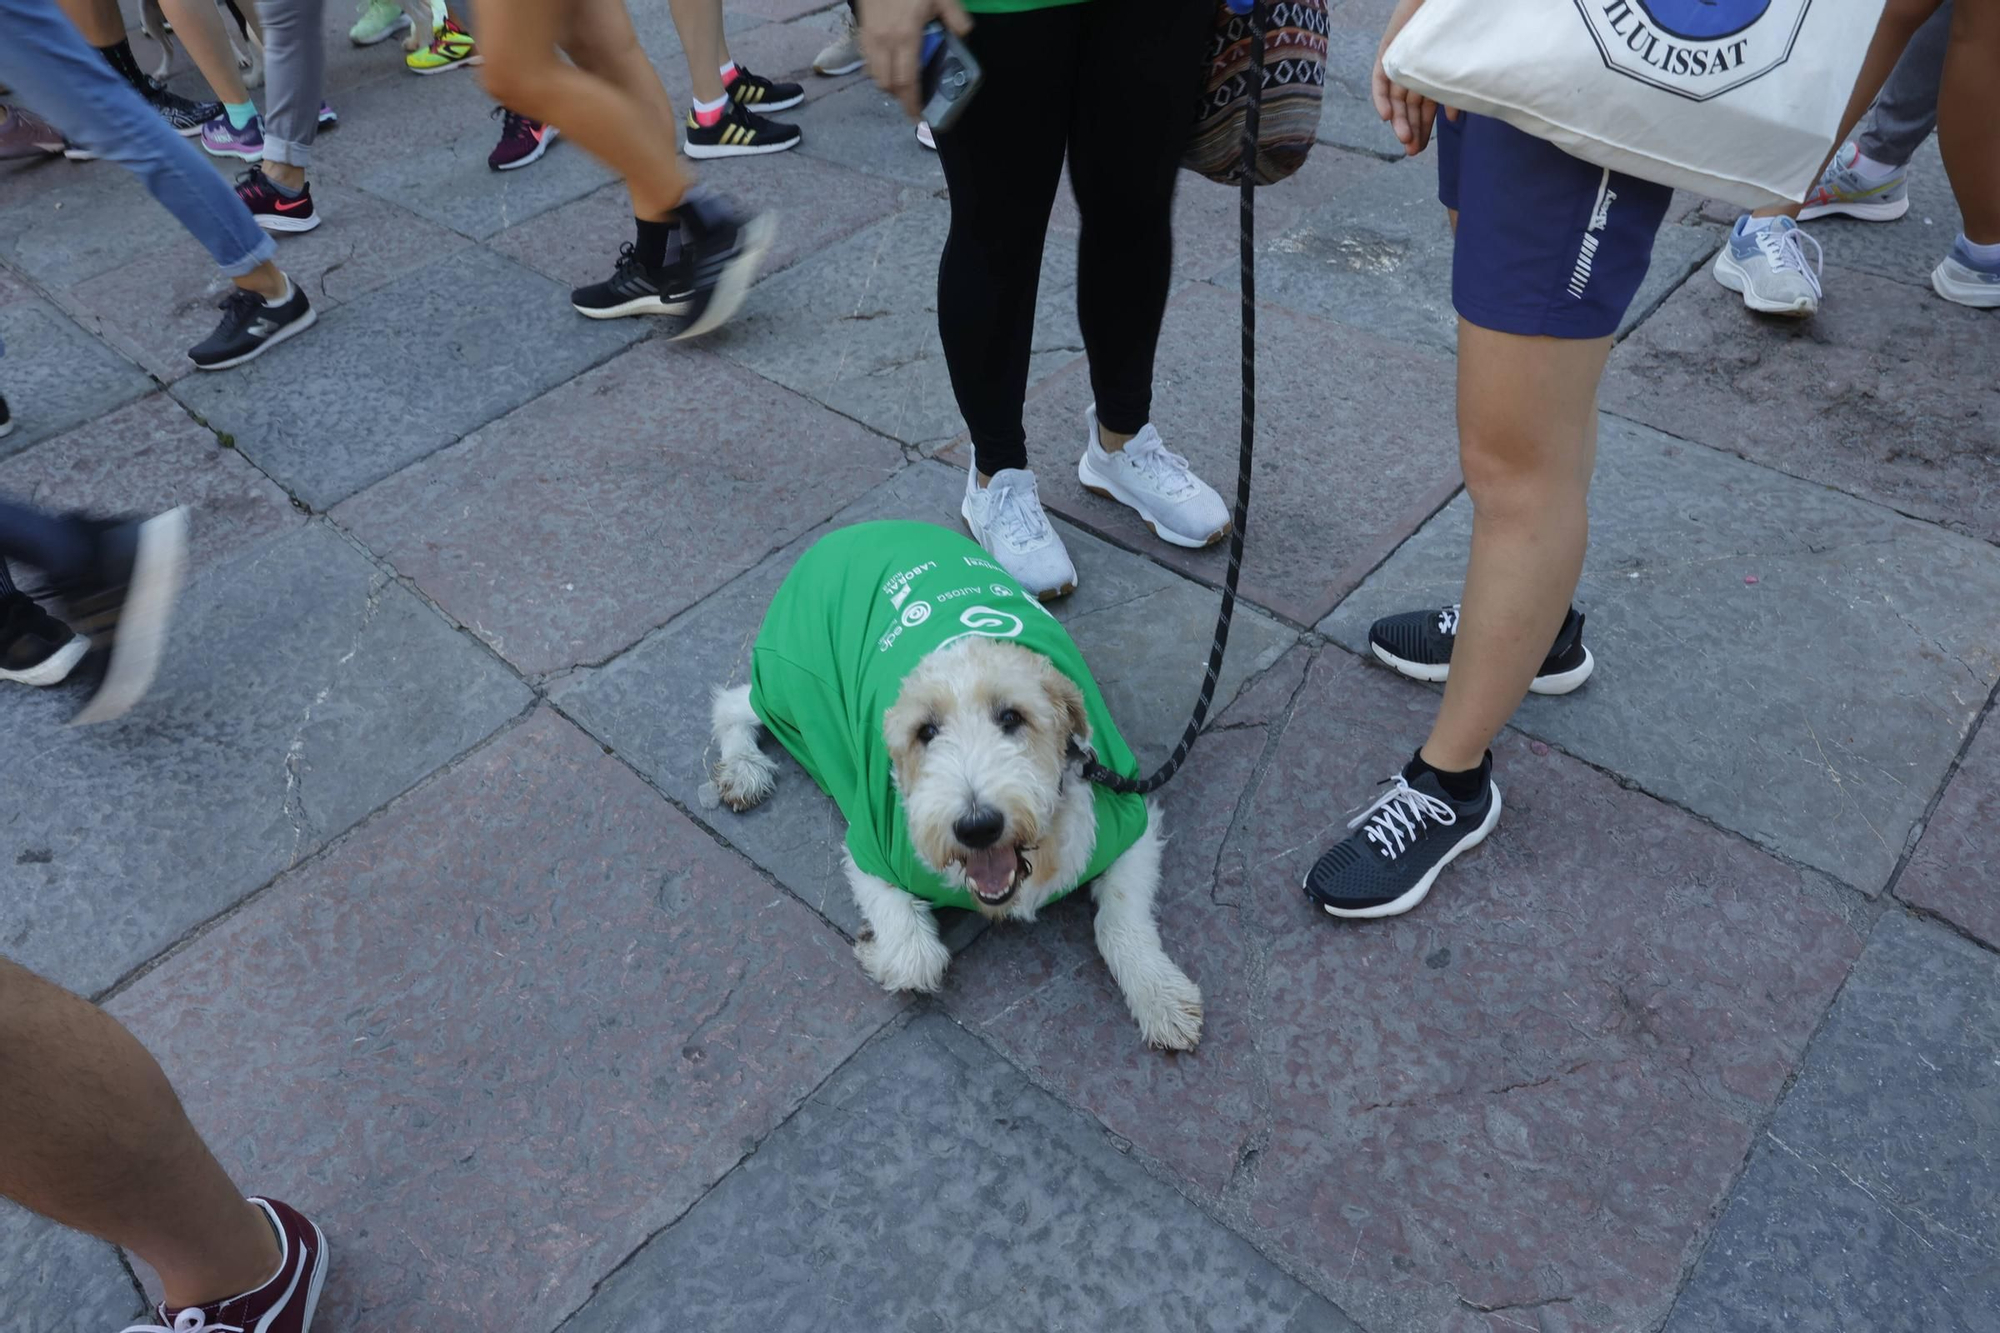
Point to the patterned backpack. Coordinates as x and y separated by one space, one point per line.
1294 82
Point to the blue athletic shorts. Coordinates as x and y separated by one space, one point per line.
1548 245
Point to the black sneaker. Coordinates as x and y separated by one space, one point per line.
633 288
249 328
1418 644
739 133
123 604
6 418
35 647
275 210
758 93
1399 844
187 117
721 251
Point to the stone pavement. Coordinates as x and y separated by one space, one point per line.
404 873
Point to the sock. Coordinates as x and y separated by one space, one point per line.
729 73
1986 256
1871 170
651 246
239 113
286 191
1460 787
709 114
283 297
119 56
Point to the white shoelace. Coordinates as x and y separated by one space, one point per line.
1398 815
187 1321
1018 514
1786 251
1448 620
1166 470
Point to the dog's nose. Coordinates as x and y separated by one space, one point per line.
981 828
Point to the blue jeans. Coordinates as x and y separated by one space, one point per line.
53 70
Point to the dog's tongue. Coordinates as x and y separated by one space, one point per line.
991 872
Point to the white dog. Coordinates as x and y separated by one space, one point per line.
246 39
947 714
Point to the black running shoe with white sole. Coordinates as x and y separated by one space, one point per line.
35 647
1400 841
6 417
1418 644
634 289
124 601
185 116
721 251
250 327
740 132
758 93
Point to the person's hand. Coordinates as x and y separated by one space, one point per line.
1411 114
892 35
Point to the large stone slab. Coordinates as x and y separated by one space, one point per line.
1793 663
1870 1201
814 203
930 1186
55 376
1378 257
566 530
86 219
1955 870
58 1280
1521 1102
861 127
1887 393
403 372
306 689
855 327
509 1029
1333 406
1145 632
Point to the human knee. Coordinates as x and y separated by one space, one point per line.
513 77
1517 468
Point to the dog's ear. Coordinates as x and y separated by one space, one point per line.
1067 701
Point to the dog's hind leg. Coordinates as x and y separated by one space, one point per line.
900 948
744 774
1165 1003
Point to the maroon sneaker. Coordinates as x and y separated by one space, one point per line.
285 1304
521 141
273 209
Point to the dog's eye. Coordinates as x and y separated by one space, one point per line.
927 733
1010 720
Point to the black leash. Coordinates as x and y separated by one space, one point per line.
1246 214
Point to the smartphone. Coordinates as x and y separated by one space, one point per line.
951 77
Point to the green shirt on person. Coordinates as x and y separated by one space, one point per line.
857 613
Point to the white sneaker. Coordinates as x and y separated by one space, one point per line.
1180 507
924 135
1769 267
843 54
1006 518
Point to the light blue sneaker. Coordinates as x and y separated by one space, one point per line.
1769 267
1842 189
1963 279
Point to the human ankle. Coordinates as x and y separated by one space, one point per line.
286 175
253 1260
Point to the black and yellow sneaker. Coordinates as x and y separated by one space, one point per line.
739 133
758 93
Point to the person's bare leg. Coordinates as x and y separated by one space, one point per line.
1969 117
96 1140
98 20
523 73
699 22
1527 431
198 25
1900 21
600 40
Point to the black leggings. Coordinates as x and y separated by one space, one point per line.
1116 83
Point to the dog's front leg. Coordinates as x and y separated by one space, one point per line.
900 947
744 774
1165 1003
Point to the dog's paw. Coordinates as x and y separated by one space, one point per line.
744 781
1168 1009
917 964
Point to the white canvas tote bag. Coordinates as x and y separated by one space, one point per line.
1739 99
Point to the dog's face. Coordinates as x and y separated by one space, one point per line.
980 738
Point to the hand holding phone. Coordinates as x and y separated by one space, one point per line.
892 38
951 76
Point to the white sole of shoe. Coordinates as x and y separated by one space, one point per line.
1098 484
1046 595
322 1262
709 152
1888 212
240 154
762 108
290 330
1556 683
836 71
396 29
142 628
644 305
55 670
280 225
1422 888
734 283
1733 276
1978 295
548 137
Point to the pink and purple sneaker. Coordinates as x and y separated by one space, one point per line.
221 139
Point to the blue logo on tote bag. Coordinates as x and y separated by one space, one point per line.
1695 49
1703 20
